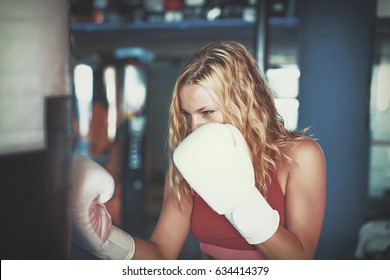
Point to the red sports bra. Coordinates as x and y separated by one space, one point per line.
209 227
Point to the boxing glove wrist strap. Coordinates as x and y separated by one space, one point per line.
254 218
119 246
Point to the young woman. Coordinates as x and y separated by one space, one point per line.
221 84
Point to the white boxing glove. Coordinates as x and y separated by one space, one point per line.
215 162
92 227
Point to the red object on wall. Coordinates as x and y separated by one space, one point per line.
173 5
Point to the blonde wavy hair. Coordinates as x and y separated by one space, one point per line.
229 72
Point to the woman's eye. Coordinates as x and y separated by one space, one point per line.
185 114
209 112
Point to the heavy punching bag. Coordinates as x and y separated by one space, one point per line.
35 129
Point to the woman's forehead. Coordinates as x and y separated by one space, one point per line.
194 97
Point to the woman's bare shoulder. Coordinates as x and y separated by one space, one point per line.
304 150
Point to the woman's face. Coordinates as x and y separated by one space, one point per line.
198 107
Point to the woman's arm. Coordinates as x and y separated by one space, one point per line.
171 230
305 193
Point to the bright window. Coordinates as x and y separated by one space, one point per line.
284 81
380 130
110 82
83 82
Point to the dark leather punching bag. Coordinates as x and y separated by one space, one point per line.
35 129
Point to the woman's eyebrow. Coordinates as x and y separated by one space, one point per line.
207 107
200 109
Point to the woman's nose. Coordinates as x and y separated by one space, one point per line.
196 122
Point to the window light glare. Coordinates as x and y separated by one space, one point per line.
110 82
83 82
